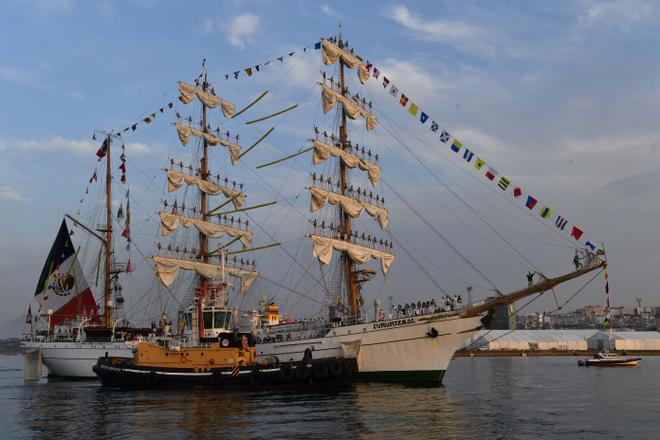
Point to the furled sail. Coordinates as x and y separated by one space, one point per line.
322 151
330 97
322 248
188 93
185 131
170 222
319 197
175 179
332 52
167 269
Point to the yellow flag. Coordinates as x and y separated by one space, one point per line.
479 163
413 109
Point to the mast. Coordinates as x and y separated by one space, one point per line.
203 239
345 229
107 307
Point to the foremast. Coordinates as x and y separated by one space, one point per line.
203 239
210 265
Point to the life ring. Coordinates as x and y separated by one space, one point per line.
286 373
153 379
302 372
256 377
350 367
336 368
224 342
320 370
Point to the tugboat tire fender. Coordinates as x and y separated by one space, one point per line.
320 370
256 377
350 367
216 378
302 372
336 368
286 373
153 379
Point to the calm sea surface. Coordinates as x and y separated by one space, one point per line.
508 398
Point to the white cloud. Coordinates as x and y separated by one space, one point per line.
620 14
46 7
59 143
14 75
239 29
76 94
12 194
327 10
433 29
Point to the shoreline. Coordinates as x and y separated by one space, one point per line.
519 353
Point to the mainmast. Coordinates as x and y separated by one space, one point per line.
345 229
107 306
351 201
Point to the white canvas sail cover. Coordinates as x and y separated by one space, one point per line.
319 197
167 269
184 132
175 179
323 151
330 97
322 248
170 222
332 52
188 93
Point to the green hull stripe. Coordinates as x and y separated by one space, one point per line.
402 376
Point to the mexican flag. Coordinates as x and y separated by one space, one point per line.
62 286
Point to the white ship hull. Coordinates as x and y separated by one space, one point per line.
75 359
401 349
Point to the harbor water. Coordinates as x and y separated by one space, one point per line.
508 398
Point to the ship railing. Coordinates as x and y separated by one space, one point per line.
350 320
295 331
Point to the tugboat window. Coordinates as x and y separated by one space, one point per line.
222 319
208 319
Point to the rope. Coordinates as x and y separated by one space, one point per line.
439 234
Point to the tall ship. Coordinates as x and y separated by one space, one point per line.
206 234
73 327
416 344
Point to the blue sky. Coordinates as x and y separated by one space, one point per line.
563 97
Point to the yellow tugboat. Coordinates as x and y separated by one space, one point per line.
225 361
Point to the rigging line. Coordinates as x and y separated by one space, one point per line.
154 103
576 293
291 290
549 313
531 237
435 266
451 212
439 234
467 205
287 253
500 194
222 79
414 260
490 188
